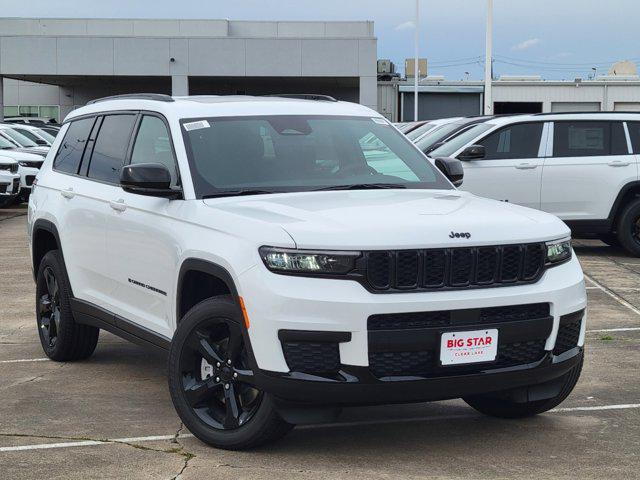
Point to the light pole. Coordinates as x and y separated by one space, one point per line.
416 70
488 62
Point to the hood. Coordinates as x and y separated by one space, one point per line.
20 154
41 151
394 219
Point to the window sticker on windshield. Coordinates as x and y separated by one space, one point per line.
380 121
196 125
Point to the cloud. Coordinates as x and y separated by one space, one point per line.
530 42
405 26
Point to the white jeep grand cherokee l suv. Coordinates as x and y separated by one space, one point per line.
9 181
582 167
296 255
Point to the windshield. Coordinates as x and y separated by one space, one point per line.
436 135
460 141
19 138
302 153
421 130
46 135
5 144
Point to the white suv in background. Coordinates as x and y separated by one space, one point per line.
295 256
582 167
9 181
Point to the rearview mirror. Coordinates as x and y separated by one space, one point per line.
472 152
151 179
452 169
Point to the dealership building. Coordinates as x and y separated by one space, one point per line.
48 67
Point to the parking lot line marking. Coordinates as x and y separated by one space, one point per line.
24 360
613 295
115 441
91 443
596 408
602 330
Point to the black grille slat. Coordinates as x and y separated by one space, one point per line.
406 264
399 321
434 269
465 267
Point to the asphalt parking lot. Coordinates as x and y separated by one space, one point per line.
111 416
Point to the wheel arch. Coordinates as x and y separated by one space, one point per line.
201 279
627 193
44 238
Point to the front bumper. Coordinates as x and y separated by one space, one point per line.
523 382
279 302
27 175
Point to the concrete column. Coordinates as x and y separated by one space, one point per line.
179 85
369 92
1 99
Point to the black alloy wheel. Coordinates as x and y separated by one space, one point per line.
216 378
49 308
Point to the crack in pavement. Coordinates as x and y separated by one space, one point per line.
181 450
37 377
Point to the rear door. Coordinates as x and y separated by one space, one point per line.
590 163
512 167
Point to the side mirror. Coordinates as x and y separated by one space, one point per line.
472 152
150 179
451 168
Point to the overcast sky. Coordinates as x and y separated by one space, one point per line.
552 38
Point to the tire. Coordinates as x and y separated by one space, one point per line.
628 227
494 406
6 202
204 387
610 239
62 339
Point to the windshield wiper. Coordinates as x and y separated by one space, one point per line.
238 193
362 186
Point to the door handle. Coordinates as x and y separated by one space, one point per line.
118 205
526 166
618 163
67 193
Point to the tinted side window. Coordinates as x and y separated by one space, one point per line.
72 147
588 139
153 145
111 148
634 133
521 140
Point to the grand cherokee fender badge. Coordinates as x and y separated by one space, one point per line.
466 235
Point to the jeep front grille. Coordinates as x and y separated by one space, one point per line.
453 268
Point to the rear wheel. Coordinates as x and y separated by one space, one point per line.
495 406
61 337
211 381
629 227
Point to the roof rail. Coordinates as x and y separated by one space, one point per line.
158 97
304 96
589 112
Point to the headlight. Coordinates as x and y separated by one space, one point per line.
558 251
22 164
308 261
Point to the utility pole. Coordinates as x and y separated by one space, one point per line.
415 61
488 62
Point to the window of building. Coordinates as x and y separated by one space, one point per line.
111 148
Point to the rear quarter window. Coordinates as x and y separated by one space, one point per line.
69 154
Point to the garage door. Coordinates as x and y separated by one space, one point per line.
626 106
575 106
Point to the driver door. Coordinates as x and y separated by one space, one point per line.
511 170
141 247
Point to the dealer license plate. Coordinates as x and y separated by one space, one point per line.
458 348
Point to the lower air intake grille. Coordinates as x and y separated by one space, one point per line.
569 332
312 357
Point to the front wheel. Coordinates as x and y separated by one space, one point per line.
211 381
494 406
628 228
